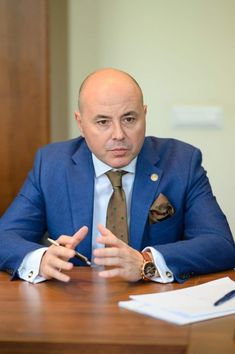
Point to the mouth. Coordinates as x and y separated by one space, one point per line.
118 152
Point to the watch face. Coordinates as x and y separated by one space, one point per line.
149 270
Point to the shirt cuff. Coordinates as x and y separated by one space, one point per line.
29 268
166 275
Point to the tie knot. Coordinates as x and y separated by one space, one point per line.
115 177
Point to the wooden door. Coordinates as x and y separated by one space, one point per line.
24 121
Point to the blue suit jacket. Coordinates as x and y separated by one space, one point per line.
58 196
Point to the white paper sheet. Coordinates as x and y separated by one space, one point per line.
186 305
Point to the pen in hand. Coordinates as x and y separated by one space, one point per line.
225 298
77 254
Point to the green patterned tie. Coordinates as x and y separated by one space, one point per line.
116 219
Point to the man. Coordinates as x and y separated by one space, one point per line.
176 228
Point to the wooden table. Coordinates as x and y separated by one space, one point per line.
83 317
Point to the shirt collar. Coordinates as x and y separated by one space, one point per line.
101 167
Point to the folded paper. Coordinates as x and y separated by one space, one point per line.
186 305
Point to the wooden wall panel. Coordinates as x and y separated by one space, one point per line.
24 121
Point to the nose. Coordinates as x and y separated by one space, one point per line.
117 132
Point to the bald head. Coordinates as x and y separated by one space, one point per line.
111 116
104 82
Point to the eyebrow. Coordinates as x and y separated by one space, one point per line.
103 116
124 114
131 113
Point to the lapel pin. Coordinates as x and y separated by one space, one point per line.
154 177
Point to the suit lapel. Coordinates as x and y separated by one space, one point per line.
145 188
80 181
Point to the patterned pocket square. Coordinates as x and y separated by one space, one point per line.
160 210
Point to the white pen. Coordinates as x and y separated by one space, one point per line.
77 254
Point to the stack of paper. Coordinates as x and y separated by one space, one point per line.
186 305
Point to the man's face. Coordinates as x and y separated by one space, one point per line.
112 121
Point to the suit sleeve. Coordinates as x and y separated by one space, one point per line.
207 245
24 223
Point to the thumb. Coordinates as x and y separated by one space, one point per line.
103 230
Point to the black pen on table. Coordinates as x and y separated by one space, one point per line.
225 298
77 254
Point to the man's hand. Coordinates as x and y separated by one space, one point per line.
124 261
55 259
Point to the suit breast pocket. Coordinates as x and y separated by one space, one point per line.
166 231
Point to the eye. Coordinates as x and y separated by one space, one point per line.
129 120
102 122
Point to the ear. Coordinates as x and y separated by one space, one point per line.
78 119
145 109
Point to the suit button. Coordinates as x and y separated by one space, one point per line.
184 276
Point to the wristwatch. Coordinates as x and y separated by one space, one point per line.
148 269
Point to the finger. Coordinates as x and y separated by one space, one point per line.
73 241
103 230
114 261
110 273
107 238
52 267
79 235
107 252
57 274
61 265
60 252
106 232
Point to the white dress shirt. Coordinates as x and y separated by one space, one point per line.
29 268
